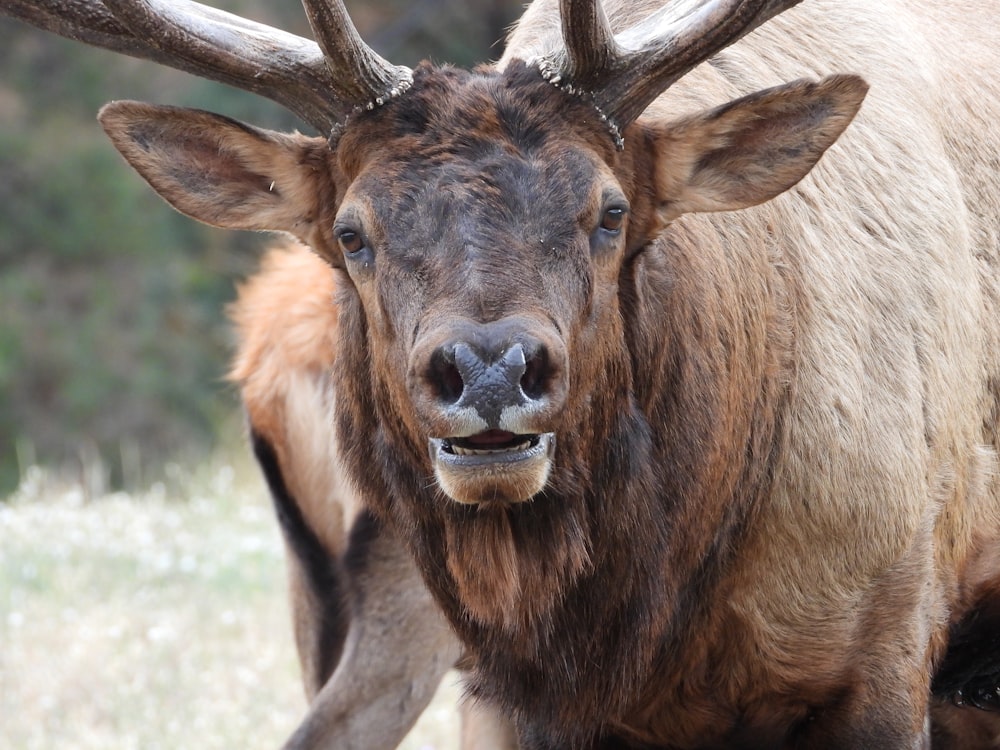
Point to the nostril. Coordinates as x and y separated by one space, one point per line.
445 377
535 374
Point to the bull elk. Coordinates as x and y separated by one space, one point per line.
689 449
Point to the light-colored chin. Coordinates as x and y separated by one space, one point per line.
507 479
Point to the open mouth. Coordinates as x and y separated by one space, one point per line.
493 466
490 442
492 446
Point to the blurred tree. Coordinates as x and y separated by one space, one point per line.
112 336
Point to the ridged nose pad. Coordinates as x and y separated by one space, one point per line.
504 374
490 387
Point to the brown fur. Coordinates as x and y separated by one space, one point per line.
772 502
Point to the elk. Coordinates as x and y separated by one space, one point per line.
667 377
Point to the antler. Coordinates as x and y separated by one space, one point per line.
322 86
625 73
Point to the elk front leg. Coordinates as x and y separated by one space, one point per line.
397 649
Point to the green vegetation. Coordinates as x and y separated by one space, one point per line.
111 327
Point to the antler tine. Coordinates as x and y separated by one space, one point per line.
625 73
688 40
360 75
591 50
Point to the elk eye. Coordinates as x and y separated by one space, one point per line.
613 220
350 241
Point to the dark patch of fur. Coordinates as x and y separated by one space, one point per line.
320 568
357 558
969 674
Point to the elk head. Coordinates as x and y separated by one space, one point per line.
479 222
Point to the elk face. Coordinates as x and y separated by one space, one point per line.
483 233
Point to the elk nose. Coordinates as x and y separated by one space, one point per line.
490 382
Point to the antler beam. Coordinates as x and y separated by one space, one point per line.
323 89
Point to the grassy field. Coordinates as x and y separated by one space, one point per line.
153 621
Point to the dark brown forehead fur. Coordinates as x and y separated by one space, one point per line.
454 113
477 171
522 149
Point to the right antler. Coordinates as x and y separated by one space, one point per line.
323 84
625 73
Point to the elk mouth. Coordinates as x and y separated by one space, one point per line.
494 465
492 445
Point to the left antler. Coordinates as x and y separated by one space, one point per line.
323 84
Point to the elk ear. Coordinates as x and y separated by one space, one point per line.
218 170
751 149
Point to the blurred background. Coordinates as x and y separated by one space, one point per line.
113 340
